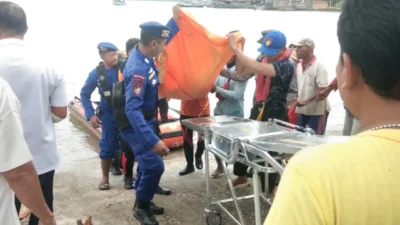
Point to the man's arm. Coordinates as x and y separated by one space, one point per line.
295 206
24 181
172 23
233 76
86 93
135 87
324 93
333 85
15 159
252 66
174 29
59 99
237 93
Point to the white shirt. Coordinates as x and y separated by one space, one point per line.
309 80
38 88
13 150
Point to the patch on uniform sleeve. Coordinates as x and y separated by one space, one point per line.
137 84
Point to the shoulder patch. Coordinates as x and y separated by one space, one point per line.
137 83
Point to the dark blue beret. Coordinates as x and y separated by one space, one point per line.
156 29
107 47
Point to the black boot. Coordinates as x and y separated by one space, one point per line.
128 183
116 166
156 210
199 163
145 216
115 171
187 170
163 191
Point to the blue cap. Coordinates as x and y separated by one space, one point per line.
156 29
107 47
272 43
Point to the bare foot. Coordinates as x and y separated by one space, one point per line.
239 180
217 172
273 194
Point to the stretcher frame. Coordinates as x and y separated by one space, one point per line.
213 207
247 151
242 151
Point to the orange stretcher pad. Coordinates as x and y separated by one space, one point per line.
192 60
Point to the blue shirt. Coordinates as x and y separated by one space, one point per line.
233 104
141 86
88 88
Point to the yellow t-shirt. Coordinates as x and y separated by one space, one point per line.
352 183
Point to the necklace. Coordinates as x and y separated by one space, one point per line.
384 127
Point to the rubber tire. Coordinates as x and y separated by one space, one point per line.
214 218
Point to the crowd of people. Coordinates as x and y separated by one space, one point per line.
354 182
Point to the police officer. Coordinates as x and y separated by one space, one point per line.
102 77
141 86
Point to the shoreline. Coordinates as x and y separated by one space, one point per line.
246 6
279 9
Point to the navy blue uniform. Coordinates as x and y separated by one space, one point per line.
109 138
141 86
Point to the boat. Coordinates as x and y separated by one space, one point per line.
171 132
119 2
193 3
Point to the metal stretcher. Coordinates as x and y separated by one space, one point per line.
235 139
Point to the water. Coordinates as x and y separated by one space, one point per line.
66 33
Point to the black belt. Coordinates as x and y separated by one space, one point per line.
149 115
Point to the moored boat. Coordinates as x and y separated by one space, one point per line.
119 2
171 132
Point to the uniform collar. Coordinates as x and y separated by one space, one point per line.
141 56
12 41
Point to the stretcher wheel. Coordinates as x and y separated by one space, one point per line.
214 218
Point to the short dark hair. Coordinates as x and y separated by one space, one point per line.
131 43
12 18
369 32
146 37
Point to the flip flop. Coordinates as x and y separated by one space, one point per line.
104 185
216 174
24 212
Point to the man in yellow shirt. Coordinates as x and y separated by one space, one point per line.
356 182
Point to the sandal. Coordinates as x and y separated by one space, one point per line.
24 212
104 185
240 181
216 173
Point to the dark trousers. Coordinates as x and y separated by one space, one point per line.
163 109
188 143
317 123
46 183
240 169
130 158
